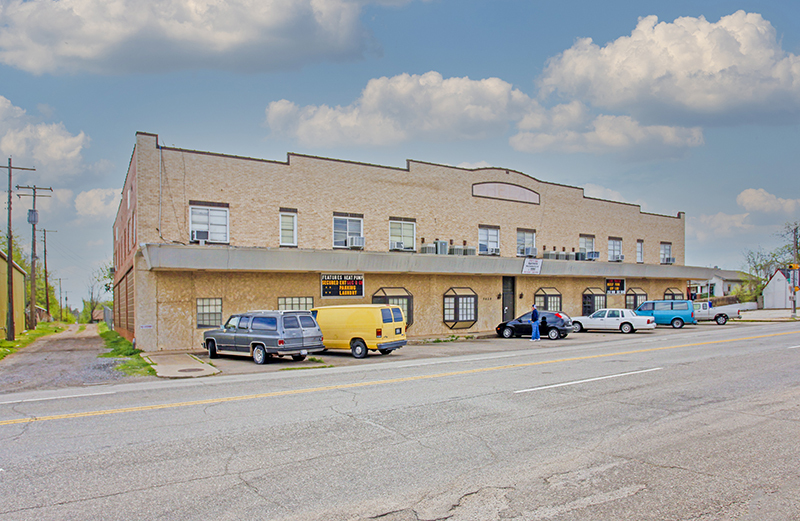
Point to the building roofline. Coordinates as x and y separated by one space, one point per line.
407 168
4 258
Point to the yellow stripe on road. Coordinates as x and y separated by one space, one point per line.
212 401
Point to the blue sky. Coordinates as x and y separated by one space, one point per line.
676 106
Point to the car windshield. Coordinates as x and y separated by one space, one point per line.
598 314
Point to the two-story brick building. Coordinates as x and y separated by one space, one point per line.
199 236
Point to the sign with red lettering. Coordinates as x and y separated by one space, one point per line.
342 285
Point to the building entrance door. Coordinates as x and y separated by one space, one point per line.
588 305
509 289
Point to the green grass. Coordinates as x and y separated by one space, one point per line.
42 329
310 359
82 328
121 348
451 338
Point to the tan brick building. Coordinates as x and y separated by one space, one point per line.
199 236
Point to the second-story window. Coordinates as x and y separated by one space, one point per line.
402 234
614 249
666 253
640 251
288 220
526 242
586 243
347 231
489 240
209 223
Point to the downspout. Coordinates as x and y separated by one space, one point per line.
160 176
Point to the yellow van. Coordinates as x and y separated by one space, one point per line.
362 327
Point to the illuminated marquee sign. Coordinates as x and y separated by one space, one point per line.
615 286
335 285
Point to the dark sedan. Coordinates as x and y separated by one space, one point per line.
552 324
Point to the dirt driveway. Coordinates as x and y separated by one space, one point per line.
66 359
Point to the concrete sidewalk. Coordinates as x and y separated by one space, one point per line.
179 365
767 315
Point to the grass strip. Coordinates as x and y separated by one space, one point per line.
27 337
135 365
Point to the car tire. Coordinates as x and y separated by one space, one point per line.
677 323
385 351
508 332
721 320
563 334
259 355
358 348
212 349
553 334
577 327
626 328
298 358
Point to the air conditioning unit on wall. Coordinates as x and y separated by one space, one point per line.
200 236
355 243
456 250
592 255
470 250
669 260
441 247
397 245
494 251
427 248
616 258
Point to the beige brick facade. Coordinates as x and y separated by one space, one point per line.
437 198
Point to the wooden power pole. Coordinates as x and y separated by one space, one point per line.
33 219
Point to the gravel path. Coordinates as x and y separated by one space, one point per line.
66 359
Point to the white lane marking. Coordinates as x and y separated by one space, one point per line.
56 398
587 380
792 347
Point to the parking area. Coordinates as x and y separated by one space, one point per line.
439 348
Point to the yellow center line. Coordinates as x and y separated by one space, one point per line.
211 401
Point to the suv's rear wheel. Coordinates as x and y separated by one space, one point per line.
384 351
359 348
677 323
553 334
212 349
298 358
721 320
259 355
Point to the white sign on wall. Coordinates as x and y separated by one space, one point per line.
532 266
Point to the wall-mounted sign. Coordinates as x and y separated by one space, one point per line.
336 285
531 266
615 286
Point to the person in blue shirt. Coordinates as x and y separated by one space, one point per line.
534 324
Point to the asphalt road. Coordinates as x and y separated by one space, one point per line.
691 424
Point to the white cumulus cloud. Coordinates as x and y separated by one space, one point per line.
118 36
403 107
50 147
708 227
759 200
98 202
734 68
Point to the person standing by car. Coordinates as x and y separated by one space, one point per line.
534 324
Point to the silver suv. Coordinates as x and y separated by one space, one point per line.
261 334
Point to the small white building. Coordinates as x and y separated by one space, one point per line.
777 292
721 284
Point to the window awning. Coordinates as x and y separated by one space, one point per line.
593 291
392 292
548 291
636 291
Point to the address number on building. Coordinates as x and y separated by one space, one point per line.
342 285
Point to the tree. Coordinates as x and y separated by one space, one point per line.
99 285
761 265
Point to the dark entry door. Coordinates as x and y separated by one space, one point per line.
509 288
588 305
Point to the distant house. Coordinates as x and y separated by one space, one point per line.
721 283
777 291
19 296
97 316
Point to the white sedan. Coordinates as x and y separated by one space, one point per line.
624 320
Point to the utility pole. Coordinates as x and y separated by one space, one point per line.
795 277
33 219
10 334
46 289
60 308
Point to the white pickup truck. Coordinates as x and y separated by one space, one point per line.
703 310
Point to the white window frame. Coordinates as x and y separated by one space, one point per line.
640 251
488 237
412 245
526 241
295 303
209 209
614 247
293 216
665 251
347 228
586 242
